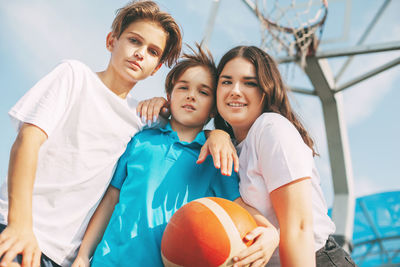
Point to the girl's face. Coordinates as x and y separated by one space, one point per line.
239 98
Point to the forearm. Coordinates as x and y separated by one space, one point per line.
220 147
296 247
21 177
98 223
208 133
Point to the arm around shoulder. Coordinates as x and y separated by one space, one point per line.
223 152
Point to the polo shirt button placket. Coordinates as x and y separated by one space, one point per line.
172 151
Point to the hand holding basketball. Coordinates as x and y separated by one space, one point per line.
265 240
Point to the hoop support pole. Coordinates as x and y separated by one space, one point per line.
363 37
352 51
322 80
360 50
369 74
302 91
210 23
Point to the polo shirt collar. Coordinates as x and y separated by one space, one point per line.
200 137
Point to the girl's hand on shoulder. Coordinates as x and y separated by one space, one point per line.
223 152
81 262
266 240
149 110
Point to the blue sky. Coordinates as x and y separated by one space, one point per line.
38 34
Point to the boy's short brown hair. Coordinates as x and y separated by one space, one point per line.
200 58
149 10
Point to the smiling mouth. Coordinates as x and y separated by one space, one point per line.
237 105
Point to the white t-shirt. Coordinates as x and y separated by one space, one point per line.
88 128
273 154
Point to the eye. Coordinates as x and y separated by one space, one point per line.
204 92
251 84
182 88
134 41
226 82
154 52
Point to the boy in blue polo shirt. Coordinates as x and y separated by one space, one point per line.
158 174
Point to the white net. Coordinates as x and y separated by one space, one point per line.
291 27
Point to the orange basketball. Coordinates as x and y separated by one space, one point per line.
206 232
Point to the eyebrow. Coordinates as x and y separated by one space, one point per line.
206 86
245 78
182 81
186 82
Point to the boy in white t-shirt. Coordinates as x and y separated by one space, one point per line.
73 126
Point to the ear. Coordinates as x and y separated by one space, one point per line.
110 41
169 97
156 69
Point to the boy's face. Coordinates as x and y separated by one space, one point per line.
137 52
192 98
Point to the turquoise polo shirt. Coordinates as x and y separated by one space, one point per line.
156 176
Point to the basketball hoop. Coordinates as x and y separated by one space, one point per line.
293 27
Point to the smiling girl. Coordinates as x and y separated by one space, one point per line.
277 170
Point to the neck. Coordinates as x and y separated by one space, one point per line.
240 133
115 82
186 134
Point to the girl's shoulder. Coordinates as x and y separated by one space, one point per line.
272 130
272 122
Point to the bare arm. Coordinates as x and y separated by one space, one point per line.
97 226
218 144
220 147
266 240
292 205
18 237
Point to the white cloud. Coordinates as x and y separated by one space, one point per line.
361 100
367 186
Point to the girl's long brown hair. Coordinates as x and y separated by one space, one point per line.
270 82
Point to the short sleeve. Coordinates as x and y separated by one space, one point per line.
226 186
283 155
121 170
45 103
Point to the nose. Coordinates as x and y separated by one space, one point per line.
190 95
235 89
139 53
